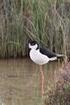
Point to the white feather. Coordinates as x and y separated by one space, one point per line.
38 58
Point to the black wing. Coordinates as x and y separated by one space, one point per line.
47 52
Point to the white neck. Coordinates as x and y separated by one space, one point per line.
33 47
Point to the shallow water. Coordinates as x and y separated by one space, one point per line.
20 82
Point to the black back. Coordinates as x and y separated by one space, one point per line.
47 52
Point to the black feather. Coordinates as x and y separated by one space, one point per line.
47 52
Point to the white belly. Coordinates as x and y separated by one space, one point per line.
38 58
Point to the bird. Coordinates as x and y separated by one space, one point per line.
41 56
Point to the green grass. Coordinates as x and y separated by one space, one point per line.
31 19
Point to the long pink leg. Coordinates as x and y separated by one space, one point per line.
42 81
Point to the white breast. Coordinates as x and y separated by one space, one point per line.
38 58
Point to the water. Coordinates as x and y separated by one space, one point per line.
20 82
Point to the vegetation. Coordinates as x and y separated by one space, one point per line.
46 21
61 96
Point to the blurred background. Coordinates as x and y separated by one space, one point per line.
45 21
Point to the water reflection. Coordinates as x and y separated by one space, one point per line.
20 81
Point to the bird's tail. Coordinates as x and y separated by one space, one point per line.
53 58
60 55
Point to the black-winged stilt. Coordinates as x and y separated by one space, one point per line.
41 56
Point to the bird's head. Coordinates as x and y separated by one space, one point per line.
33 45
